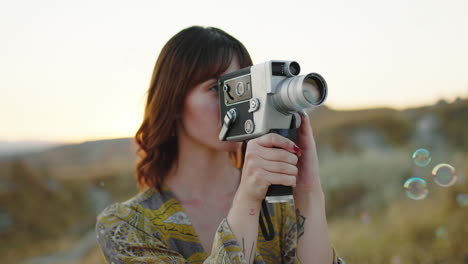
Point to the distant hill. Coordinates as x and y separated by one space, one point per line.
88 158
440 125
11 148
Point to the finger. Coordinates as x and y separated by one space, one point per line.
281 179
275 140
278 155
305 134
279 167
305 119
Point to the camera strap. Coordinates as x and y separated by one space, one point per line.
265 215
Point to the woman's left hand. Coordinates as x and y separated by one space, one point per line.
313 237
308 180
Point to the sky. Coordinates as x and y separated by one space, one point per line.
73 71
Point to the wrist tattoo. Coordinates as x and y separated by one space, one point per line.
243 246
251 251
300 220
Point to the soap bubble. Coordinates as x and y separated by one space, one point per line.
416 188
441 232
462 199
422 157
444 175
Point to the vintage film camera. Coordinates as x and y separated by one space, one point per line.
266 98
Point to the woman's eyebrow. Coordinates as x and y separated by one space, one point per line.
211 82
207 84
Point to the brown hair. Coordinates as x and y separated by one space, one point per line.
192 56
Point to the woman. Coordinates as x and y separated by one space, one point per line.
200 197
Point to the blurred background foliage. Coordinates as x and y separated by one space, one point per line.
49 200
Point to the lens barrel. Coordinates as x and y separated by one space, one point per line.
299 92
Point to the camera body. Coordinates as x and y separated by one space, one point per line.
266 97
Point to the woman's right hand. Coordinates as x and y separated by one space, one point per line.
269 159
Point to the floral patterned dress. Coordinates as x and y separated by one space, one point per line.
152 227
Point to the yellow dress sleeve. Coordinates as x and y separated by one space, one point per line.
130 241
226 248
288 239
122 241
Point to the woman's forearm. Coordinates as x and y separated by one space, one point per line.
243 220
314 244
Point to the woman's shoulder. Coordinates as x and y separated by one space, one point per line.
150 205
151 198
141 212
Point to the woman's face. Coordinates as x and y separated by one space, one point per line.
200 118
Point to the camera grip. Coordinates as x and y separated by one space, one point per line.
279 190
277 193
281 193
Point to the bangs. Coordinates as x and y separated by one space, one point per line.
212 65
215 56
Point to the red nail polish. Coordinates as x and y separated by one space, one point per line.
296 149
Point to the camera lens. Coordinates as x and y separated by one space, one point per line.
311 91
299 92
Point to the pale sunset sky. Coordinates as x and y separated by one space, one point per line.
73 71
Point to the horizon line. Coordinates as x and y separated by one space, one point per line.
79 140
